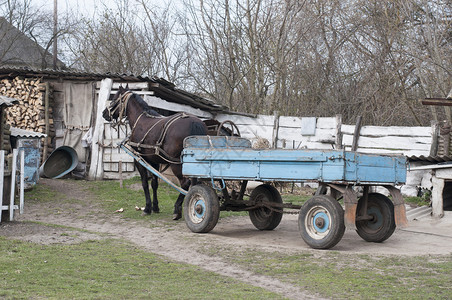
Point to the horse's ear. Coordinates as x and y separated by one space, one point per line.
121 89
127 86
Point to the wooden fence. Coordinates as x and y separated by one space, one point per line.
329 133
9 191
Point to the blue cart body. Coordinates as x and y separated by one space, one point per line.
233 159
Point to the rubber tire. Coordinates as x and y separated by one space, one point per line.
263 218
206 220
334 213
383 225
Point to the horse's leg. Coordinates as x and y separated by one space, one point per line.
155 185
144 182
185 184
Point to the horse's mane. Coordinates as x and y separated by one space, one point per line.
145 106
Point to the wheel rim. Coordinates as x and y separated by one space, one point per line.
377 219
197 209
318 222
262 213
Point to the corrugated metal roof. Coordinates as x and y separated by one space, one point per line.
432 159
7 101
161 87
17 132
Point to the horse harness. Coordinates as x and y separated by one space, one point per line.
158 145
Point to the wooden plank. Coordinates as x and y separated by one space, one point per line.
107 166
176 107
116 157
275 130
391 142
338 133
435 138
13 183
407 153
96 168
115 175
22 181
2 176
260 120
305 144
325 135
356 133
325 122
130 167
254 131
378 131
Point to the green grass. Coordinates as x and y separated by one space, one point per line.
108 269
417 201
127 198
41 193
31 269
346 276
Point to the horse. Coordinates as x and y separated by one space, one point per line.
158 139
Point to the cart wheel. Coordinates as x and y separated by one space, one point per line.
382 224
321 222
201 208
264 218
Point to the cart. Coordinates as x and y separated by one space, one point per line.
322 220
349 176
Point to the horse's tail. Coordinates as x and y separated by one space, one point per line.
198 128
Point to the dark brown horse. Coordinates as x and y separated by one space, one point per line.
158 139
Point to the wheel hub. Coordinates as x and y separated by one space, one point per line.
320 222
198 208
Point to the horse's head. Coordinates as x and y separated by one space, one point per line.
116 110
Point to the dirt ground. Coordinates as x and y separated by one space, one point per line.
422 237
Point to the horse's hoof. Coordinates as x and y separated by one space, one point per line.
177 216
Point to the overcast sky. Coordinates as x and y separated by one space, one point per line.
85 7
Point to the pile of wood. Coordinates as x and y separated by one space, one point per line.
29 114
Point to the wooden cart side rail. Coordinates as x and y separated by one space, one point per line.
142 162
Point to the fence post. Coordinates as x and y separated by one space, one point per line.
22 181
13 185
338 140
356 133
2 178
275 130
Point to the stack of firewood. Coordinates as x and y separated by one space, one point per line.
29 113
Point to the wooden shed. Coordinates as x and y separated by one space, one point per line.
65 106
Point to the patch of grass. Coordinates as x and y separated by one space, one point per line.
339 275
295 199
127 198
417 201
41 193
108 269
